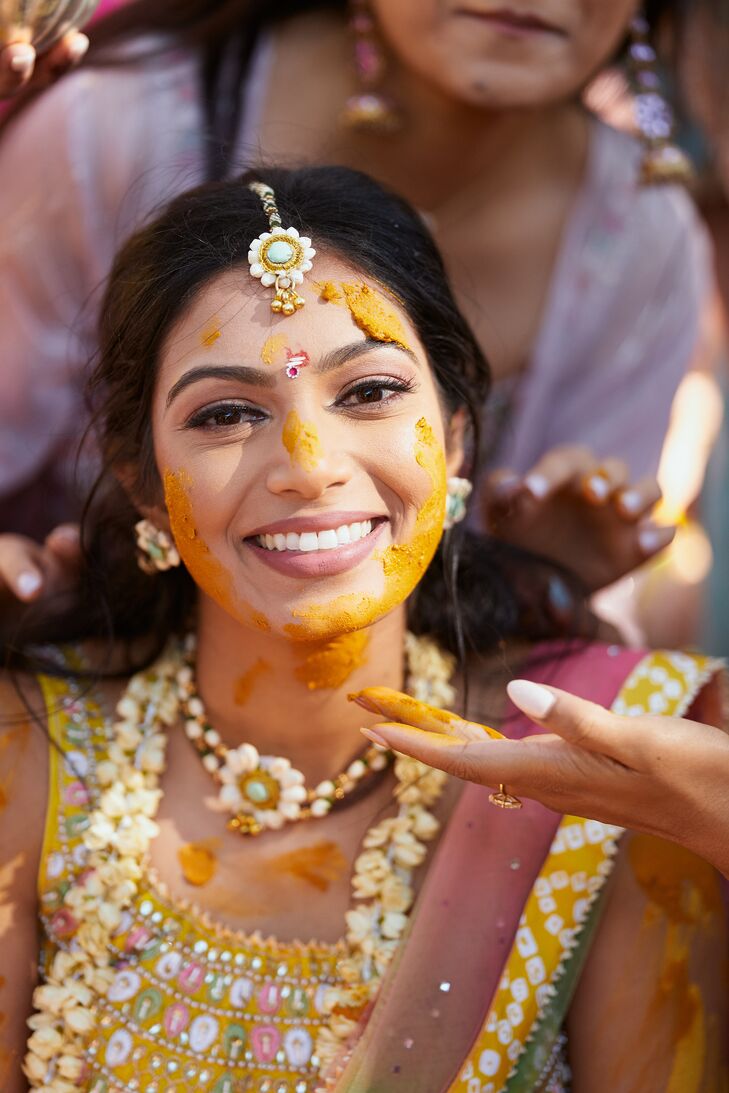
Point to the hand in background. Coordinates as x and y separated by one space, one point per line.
578 511
31 571
21 67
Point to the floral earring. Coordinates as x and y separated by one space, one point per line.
663 161
368 110
157 552
459 490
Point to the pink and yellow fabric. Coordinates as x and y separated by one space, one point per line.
475 998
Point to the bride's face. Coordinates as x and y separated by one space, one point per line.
304 458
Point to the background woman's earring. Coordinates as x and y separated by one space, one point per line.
459 490
662 161
368 109
157 552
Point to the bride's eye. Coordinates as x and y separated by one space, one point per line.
372 392
224 415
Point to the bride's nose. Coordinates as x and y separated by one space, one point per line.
306 465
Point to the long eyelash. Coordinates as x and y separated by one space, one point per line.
203 416
390 384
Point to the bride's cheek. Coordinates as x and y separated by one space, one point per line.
403 564
208 573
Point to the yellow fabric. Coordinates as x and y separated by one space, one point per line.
578 864
201 1007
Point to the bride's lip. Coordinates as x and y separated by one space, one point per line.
318 563
320 521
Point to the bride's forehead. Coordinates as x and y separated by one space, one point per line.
233 312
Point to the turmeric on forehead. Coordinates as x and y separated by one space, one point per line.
373 315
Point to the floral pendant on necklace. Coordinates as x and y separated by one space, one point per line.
262 791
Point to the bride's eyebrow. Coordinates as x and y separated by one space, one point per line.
337 357
255 376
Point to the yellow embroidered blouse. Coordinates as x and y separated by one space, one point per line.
196 1006
193 1005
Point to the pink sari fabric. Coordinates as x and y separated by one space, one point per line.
436 994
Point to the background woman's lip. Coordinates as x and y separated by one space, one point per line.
507 17
321 521
318 563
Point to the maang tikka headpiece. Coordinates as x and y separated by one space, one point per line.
279 257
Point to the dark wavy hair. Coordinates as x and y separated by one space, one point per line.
475 592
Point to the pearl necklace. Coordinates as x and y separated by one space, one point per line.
263 792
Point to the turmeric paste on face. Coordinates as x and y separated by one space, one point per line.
208 573
330 665
403 564
301 441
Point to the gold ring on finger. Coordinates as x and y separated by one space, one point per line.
502 799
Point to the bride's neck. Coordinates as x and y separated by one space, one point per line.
288 698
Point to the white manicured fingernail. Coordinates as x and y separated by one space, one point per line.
537 485
22 59
631 501
374 737
599 487
27 584
78 47
652 539
535 701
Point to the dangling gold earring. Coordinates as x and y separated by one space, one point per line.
369 109
662 160
157 552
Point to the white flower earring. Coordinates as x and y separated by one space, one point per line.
157 552
459 490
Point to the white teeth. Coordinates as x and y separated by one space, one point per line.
312 540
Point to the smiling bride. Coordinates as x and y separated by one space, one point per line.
236 890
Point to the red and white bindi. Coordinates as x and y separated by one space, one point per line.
295 362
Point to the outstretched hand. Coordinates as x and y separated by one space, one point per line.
21 67
578 511
664 776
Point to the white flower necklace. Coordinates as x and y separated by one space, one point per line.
117 840
263 792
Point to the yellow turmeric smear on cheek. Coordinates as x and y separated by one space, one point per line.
372 314
245 683
205 569
330 665
198 861
301 441
403 564
685 891
273 347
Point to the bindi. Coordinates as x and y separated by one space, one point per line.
295 361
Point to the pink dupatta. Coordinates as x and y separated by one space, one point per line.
434 998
